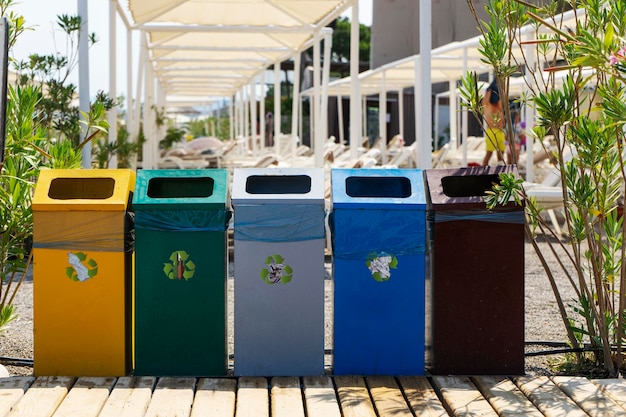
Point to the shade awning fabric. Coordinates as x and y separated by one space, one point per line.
213 48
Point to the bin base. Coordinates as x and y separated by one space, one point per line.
478 298
279 327
379 326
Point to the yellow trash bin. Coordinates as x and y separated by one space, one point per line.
82 272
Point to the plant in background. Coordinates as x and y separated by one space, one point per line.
172 136
42 130
578 90
56 110
23 157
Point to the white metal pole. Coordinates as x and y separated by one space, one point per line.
231 115
277 112
83 77
150 144
113 78
454 138
355 87
529 112
262 118
464 116
130 121
141 68
241 105
382 119
363 119
328 42
295 108
436 124
401 111
245 122
342 138
316 125
254 128
424 152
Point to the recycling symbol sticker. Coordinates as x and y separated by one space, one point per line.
180 266
275 270
79 269
380 265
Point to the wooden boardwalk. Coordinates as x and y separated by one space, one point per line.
341 396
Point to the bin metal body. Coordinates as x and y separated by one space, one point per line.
279 271
82 270
477 275
180 272
379 228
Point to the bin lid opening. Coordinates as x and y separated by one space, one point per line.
190 187
468 186
278 184
378 187
81 188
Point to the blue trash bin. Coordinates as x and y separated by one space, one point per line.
378 228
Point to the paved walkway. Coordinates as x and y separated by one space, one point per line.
348 396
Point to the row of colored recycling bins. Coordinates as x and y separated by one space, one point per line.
130 272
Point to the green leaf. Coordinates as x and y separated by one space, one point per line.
92 263
188 274
7 315
268 260
288 269
92 272
279 259
264 274
190 266
286 279
168 269
69 271
377 277
394 262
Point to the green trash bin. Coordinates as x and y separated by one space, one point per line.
180 272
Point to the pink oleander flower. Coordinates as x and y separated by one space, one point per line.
620 55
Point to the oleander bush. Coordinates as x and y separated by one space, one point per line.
575 74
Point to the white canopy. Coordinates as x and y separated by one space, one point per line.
212 48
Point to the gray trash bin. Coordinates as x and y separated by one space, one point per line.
279 271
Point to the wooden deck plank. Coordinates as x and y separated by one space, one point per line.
354 397
86 398
615 388
11 390
130 397
462 397
589 396
215 397
505 397
548 398
387 396
286 397
43 397
172 397
422 397
320 397
252 397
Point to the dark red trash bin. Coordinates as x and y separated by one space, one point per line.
477 275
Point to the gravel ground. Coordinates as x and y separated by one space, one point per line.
543 322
